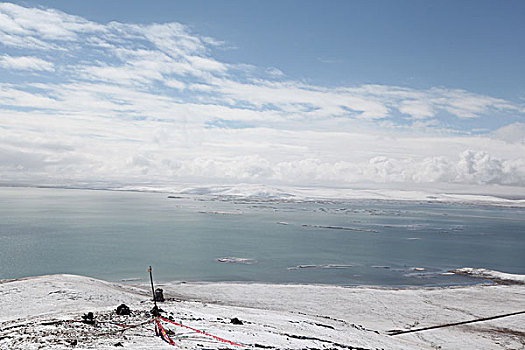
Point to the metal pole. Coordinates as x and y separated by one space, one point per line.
152 288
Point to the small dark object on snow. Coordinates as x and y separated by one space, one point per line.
123 310
156 311
73 342
118 344
235 320
159 296
88 318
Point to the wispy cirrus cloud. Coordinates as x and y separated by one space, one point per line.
47 29
129 102
26 63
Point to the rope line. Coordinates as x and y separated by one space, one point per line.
396 332
163 334
202 332
159 329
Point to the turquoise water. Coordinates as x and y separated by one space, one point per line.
117 235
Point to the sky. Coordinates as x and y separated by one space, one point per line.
404 94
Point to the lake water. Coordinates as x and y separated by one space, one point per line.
117 235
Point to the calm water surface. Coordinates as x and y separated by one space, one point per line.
116 235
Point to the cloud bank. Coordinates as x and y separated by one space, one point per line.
123 103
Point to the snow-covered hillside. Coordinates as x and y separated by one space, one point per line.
36 313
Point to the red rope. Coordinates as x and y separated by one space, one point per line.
163 333
201 332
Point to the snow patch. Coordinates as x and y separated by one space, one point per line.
496 276
235 260
327 266
242 190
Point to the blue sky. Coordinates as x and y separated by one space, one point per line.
333 93
473 45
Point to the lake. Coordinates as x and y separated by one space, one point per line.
116 235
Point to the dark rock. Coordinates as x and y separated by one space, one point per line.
324 325
118 344
88 318
235 320
123 310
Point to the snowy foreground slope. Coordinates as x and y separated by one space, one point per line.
273 316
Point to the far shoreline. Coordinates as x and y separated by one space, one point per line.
478 276
308 194
145 283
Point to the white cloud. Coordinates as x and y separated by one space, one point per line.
173 39
481 168
274 72
418 109
174 83
132 103
514 132
45 24
206 64
200 87
26 63
25 42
